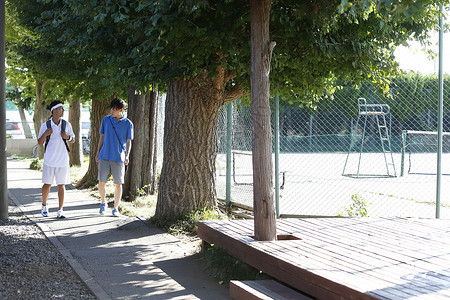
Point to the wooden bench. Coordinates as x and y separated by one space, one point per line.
264 290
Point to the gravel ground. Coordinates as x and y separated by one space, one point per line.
31 267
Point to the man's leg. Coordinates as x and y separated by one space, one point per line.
117 195
102 190
61 192
45 192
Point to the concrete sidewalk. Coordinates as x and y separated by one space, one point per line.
118 258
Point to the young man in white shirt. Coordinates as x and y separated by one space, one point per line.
56 157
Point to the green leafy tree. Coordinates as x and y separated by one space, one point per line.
39 56
200 50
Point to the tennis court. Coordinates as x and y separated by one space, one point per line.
314 184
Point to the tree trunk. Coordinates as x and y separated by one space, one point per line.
100 108
23 119
136 113
141 113
261 53
148 146
41 113
190 144
76 151
25 125
153 153
150 158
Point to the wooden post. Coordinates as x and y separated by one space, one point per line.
261 54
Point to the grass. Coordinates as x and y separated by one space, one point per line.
142 206
77 172
187 224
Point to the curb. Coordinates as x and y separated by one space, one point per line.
85 277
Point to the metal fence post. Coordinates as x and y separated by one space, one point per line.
277 155
440 114
229 133
403 151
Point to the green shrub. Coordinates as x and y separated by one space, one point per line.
358 207
187 224
36 164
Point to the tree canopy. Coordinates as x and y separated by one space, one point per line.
140 42
201 51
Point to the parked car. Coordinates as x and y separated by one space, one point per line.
14 130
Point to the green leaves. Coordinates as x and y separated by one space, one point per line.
157 40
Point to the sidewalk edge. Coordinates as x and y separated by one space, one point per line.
88 280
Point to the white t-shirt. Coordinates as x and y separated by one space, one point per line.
56 154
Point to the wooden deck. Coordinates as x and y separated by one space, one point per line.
346 258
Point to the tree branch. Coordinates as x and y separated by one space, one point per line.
235 93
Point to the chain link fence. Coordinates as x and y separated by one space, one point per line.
359 152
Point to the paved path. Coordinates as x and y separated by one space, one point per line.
118 258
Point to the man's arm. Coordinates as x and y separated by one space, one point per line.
127 152
99 147
69 138
41 139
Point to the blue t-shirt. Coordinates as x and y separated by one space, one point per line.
112 149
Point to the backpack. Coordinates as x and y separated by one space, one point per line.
63 129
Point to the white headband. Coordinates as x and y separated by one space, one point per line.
56 106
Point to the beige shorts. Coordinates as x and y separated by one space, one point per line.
60 175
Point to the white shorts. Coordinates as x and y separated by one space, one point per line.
60 175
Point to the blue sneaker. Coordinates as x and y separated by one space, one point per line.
44 211
102 208
115 212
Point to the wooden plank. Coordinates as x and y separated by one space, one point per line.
438 278
299 278
387 246
385 258
275 255
409 257
362 280
365 254
263 290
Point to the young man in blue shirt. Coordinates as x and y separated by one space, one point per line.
114 145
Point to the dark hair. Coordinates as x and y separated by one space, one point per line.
117 103
56 102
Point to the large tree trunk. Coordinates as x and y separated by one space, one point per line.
187 179
190 144
100 108
261 53
76 151
41 113
137 108
25 125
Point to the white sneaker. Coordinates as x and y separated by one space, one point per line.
60 214
44 211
